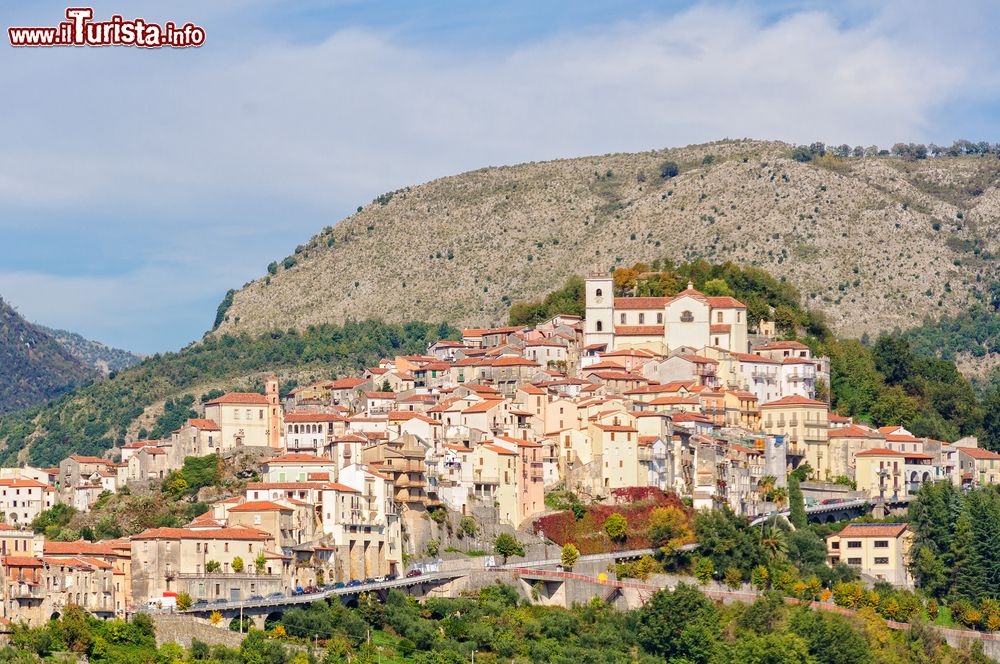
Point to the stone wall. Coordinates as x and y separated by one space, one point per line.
181 629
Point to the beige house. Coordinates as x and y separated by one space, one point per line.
986 465
845 444
803 424
878 550
196 437
247 419
297 467
271 517
23 499
200 563
880 473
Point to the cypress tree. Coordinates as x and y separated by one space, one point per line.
796 503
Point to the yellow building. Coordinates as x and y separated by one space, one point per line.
880 473
878 550
742 410
803 423
987 465
247 419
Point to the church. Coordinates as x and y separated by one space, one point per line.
660 324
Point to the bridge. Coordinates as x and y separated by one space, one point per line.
848 509
259 610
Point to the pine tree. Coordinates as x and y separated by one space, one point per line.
796 503
962 577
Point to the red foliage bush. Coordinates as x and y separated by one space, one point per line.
634 503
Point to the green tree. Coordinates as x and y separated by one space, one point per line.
679 625
718 288
260 563
238 564
796 502
733 578
668 528
728 540
570 554
183 601
776 648
616 527
212 566
704 570
506 545
760 578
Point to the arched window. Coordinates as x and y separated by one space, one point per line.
642 318
659 318
600 326
599 293
687 317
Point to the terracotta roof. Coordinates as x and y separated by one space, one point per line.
80 458
234 533
206 425
873 530
498 449
531 389
852 431
725 303
793 400
345 383
21 561
380 395
483 406
882 451
720 329
641 302
296 418
979 453
784 345
260 506
639 330
240 398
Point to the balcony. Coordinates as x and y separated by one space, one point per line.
404 481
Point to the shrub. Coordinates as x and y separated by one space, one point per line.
668 169
733 578
616 527
704 570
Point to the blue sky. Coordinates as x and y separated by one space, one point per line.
137 186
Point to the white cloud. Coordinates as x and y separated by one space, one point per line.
188 139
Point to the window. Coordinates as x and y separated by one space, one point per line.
854 561
881 561
261 414
835 545
718 317
599 293
881 544
600 326
642 319
687 317
738 316
659 318
622 317
854 544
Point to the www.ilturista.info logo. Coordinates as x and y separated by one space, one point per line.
81 30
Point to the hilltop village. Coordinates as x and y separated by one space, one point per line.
678 393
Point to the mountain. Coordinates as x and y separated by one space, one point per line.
34 367
876 243
94 354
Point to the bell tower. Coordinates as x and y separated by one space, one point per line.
600 298
275 413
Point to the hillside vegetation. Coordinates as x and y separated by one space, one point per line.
34 367
96 417
873 242
94 354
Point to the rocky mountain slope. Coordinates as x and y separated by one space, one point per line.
877 243
34 367
94 354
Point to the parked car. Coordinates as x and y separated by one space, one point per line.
338 585
277 595
369 580
200 602
392 577
412 573
379 579
353 583
299 591
256 598
833 501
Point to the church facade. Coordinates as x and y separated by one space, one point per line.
689 319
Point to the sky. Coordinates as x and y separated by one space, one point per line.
137 186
